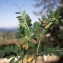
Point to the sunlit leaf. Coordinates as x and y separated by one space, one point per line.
16 48
36 25
31 44
12 60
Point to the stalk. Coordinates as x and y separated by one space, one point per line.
39 45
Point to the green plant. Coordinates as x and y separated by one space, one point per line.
28 32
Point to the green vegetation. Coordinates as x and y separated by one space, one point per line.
28 32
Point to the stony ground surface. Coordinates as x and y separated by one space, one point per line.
40 59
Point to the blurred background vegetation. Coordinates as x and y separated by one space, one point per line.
56 34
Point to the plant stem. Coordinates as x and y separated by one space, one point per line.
39 44
40 41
